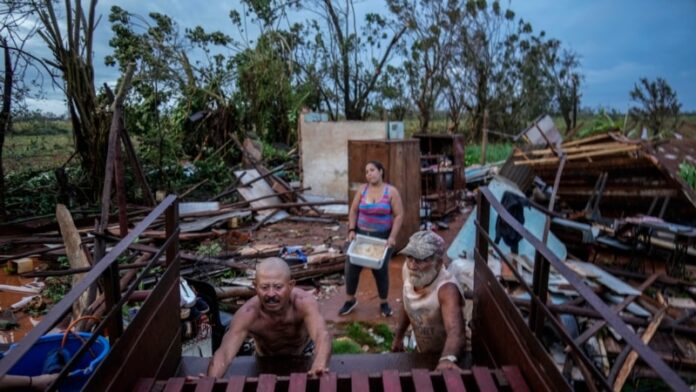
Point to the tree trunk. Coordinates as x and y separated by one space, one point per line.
5 119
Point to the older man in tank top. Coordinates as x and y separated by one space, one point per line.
432 301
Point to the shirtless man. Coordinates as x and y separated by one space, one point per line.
282 320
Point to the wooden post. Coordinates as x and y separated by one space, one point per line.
119 179
540 280
484 137
627 366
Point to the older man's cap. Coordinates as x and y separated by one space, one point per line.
424 244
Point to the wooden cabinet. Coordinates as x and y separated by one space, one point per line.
442 172
401 160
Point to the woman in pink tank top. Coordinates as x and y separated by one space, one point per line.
376 211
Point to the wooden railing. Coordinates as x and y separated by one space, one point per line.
105 272
540 314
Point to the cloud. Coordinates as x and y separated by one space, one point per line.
51 105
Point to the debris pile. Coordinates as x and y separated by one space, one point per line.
618 214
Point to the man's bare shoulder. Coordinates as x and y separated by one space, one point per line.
449 292
303 300
249 311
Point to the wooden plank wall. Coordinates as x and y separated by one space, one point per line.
150 346
401 160
500 336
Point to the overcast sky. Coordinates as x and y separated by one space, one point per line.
618 41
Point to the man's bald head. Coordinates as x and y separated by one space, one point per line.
273 266
274 284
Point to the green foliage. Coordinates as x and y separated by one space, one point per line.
601 123
56 288
36 144
345 345
209 248
494 153
687 172
378 338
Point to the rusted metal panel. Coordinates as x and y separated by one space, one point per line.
298 382
421 380
144 385
483 378
391 381
205 384
515 379
359 382
175 384
236 384
327 382
267 383
453 380
417 380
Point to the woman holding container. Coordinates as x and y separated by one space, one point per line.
376 211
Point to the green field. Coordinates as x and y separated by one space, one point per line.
31 148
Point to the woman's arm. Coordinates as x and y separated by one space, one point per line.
398 213
353 215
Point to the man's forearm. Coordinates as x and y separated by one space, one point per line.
453 345
217 367
323 350
401 325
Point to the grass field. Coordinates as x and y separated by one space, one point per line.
28 151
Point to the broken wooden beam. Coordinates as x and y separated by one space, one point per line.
647 336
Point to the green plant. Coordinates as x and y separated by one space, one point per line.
377 338
63 262
687 172
494 153
56 288
209 249
345 345
602 122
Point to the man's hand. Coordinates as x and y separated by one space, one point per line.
397 345
443 365
317 370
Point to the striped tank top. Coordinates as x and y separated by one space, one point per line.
373 217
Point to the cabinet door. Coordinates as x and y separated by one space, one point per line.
359 153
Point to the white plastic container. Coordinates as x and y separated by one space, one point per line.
363 260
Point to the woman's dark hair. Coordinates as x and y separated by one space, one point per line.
378 165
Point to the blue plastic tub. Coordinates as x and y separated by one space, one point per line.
32 362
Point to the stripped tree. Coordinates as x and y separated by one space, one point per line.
70 42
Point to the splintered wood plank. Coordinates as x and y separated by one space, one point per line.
421 380
453 380
267 383
483 378
205 384
391 381
144 385
328 382
175 384
515 379
298 382
235 384
359 382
